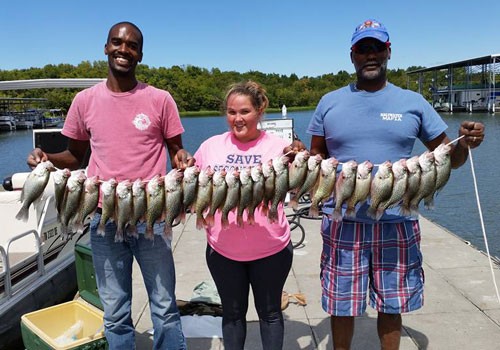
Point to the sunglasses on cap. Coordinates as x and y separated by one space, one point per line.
376 47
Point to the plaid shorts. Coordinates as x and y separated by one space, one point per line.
384 256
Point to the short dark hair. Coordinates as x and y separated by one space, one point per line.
130 24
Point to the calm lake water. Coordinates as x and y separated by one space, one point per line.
455 208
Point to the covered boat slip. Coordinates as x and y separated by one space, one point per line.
31 113
468 85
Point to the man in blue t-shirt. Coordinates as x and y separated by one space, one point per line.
375 120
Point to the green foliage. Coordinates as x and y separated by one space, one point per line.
194 89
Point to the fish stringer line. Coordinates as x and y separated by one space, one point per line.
458 138
482 223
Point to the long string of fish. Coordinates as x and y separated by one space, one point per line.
406 182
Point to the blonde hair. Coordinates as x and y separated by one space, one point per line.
251 89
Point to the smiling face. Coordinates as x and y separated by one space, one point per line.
124 49
242 117
370 62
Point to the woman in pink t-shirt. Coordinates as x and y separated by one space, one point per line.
240 255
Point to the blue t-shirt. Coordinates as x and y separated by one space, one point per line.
375 126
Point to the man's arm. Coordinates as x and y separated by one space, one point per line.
71 158
473 135
318 146
179 157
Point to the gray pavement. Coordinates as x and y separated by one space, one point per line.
461 309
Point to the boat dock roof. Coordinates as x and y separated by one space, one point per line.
49 83
476 61
468 84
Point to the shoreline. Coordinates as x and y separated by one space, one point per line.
192 114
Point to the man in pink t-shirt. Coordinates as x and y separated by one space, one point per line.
126 125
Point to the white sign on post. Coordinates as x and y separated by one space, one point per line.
280 127
283 111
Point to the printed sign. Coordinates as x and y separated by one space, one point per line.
280 127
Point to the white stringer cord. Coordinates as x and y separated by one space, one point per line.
482 223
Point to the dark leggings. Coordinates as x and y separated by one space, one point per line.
233 279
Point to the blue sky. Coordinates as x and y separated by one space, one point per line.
305 37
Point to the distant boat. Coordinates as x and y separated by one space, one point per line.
24 124
52 118
7 123
442 106
31 115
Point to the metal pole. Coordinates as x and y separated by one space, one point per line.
450 89
494 84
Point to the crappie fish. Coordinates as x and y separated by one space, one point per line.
344 187
361 188
190 186
173 199
88 202
380 188
219 192
71 202
108 190
413 183
443 170
155 199
33 188
280 165
298 170
258 183
139 206
204 195
246 191
399 185
232 196
61 177
260 187
326 184
269 179
427 180
313 168
124 208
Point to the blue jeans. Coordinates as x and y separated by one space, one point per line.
113 268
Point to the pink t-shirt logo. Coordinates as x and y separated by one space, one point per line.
141 121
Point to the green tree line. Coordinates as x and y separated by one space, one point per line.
193 88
